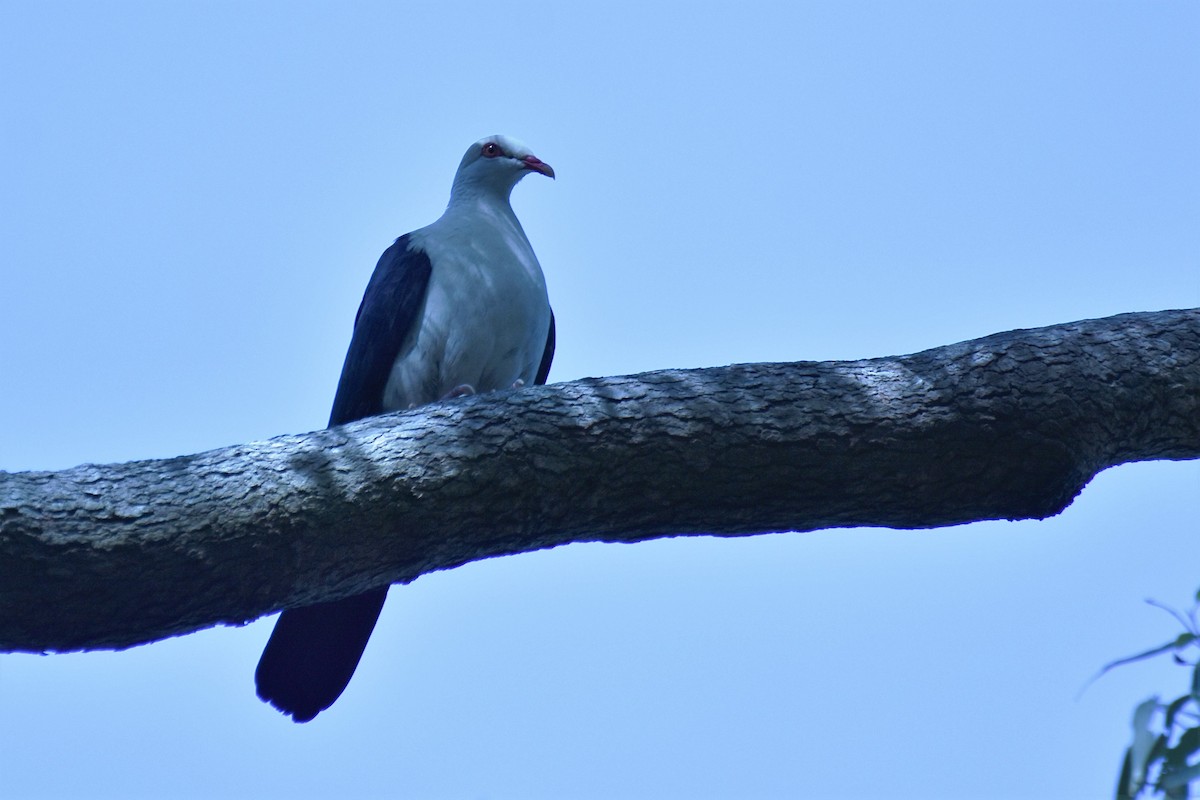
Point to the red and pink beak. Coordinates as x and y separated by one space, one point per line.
537 165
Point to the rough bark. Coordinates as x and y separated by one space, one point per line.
1008 426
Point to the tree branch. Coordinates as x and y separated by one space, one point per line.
1008 426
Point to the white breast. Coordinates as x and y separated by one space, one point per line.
486 314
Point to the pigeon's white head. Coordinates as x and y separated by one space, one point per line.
494 165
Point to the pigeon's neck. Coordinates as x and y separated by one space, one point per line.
473 192
468 200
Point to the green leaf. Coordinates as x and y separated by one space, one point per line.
1187 624
1173 709
1144 740
1124 790
1189 743
1196 682
1159 751
1178 643
1180 793
1179 779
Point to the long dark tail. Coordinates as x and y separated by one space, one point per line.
313 651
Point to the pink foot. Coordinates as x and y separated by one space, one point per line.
462 390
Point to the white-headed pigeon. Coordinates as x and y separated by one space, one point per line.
456 307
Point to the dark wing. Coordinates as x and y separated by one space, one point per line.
547 355
390 308
314 650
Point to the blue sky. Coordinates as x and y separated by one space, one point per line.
193 195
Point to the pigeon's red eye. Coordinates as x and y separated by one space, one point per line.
491 149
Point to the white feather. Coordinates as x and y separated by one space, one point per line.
486 313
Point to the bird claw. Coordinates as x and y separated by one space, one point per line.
518 383
462 390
